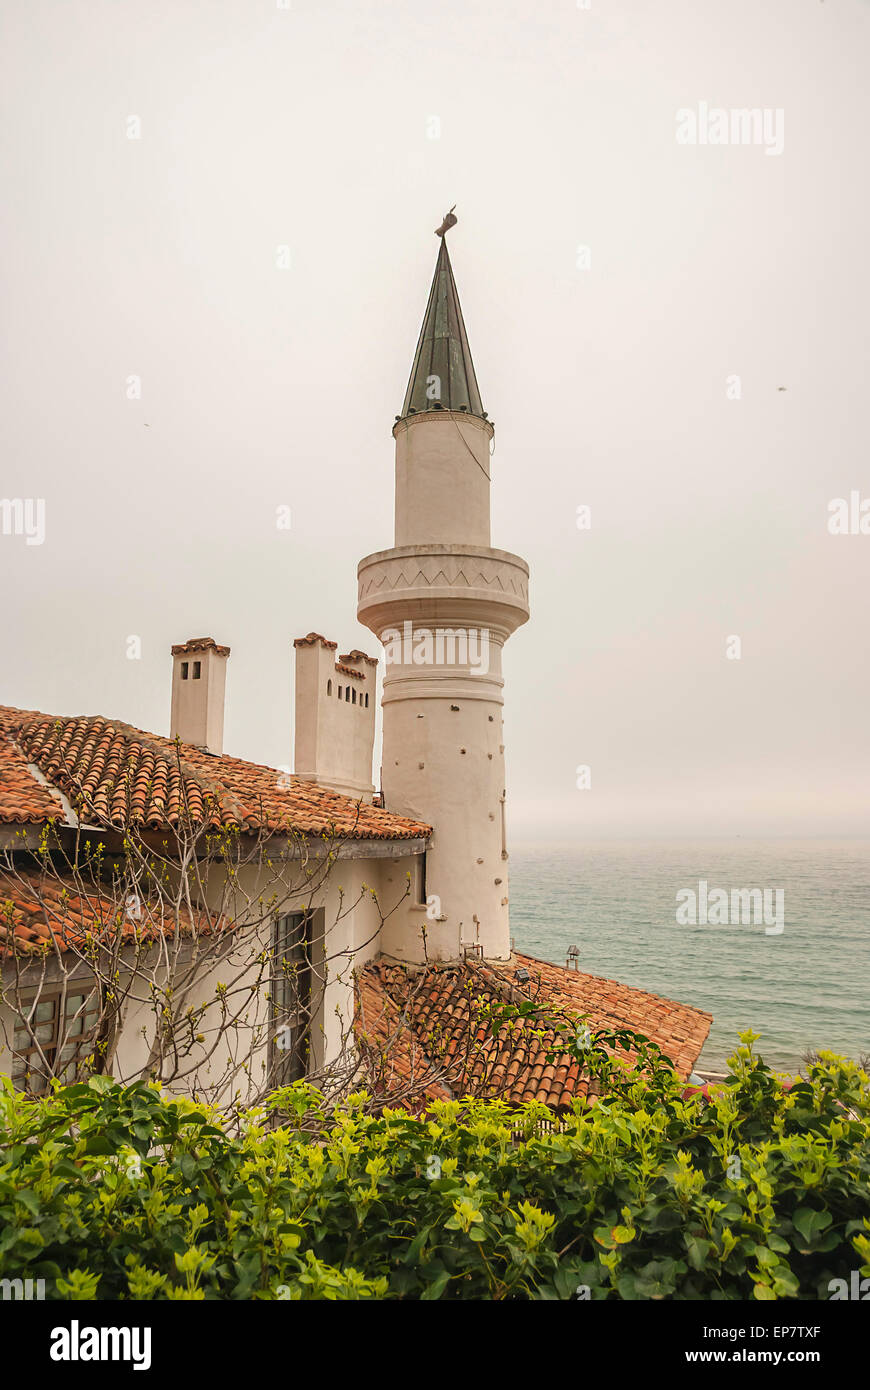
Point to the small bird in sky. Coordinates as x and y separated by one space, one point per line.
782 388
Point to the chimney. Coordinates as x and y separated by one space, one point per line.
335 717
199 674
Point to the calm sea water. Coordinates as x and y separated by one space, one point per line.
806 988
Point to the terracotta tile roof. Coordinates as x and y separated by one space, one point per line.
394 1061
114 774
48 910
679 1029
341 665
199 644
23 798
312 638
450 1042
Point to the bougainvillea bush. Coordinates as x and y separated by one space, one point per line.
760 1191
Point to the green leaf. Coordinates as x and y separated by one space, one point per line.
436 1288
698 1251
29 1200
414 1250
810 1223
101 1145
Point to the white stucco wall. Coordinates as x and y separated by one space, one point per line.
442 479
349 934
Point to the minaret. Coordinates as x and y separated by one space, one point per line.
443 603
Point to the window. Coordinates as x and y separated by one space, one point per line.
354 695
339 692
197 667
367 699
329 687
347 693
185 666
55 1036
291 998
421 878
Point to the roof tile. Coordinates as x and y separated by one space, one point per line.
436 1015
114 774
55 908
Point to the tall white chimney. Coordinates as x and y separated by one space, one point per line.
199 675
335 716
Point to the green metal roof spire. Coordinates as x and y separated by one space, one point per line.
442 377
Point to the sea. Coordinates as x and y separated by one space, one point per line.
806 988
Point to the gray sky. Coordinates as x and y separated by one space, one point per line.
310 127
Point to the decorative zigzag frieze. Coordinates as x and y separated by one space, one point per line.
438 571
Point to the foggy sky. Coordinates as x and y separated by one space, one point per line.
261 387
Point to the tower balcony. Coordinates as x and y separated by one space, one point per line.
443 585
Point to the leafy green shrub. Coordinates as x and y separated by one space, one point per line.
115 1192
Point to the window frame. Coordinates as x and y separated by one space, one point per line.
420 879
290 997
41 1058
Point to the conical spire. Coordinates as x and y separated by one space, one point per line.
442 376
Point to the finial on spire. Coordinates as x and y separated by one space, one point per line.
449 221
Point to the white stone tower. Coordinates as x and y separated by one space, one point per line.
443 603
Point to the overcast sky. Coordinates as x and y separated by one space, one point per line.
344 131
